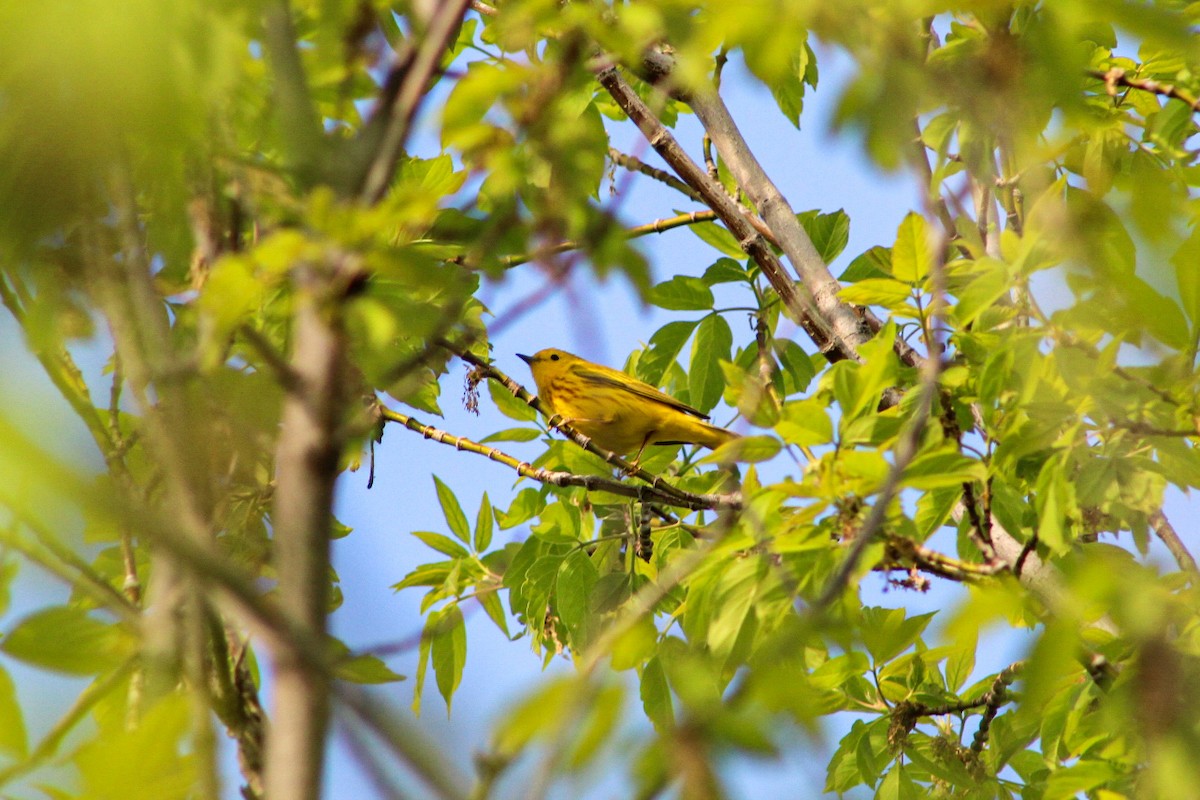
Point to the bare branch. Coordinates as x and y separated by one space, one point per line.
558 478
404 90
637 165
799 304
1166 532
658 226
1117 76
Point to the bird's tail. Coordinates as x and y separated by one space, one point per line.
695 431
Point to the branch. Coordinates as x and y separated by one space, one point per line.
906 450
696 502
903 550
299 122
1166 532
63 563
906 713
658 226
992 700
910 441
1117 76
797 301
776 212
306 469
634 164
404 90
236 589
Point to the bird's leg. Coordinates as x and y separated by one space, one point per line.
633 465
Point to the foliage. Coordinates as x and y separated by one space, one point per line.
278 223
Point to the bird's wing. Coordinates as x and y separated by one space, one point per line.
619 380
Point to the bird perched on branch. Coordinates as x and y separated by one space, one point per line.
617 412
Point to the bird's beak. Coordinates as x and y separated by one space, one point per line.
526 359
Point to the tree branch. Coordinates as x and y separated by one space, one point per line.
594 483
306 470
799 304
662 176
1117 76
404 90
1166 532
299 122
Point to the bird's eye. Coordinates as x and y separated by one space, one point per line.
554 357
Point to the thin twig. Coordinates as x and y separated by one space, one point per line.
910 440
412 87
1162 526
1117 76
557 478
657 226
634 164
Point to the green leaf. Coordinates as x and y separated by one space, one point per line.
897 785
453 512
635 646
426 575
509 404
883 292
682 293
960 665
835 672
718 237
598 725
789 91
525 506
492 606
366 669
529 720
68 640
423 649
148 761
706 381
938 470
512 435
484 524
1080 778
912 257
442 543
573 590
1187 275
13 739
656 696
665 347
983 291
797 366
805 422
933 509
725 270
745 449
830 233
1053 501
449 653
874 263
560 523
887 632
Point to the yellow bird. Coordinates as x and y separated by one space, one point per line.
617 412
